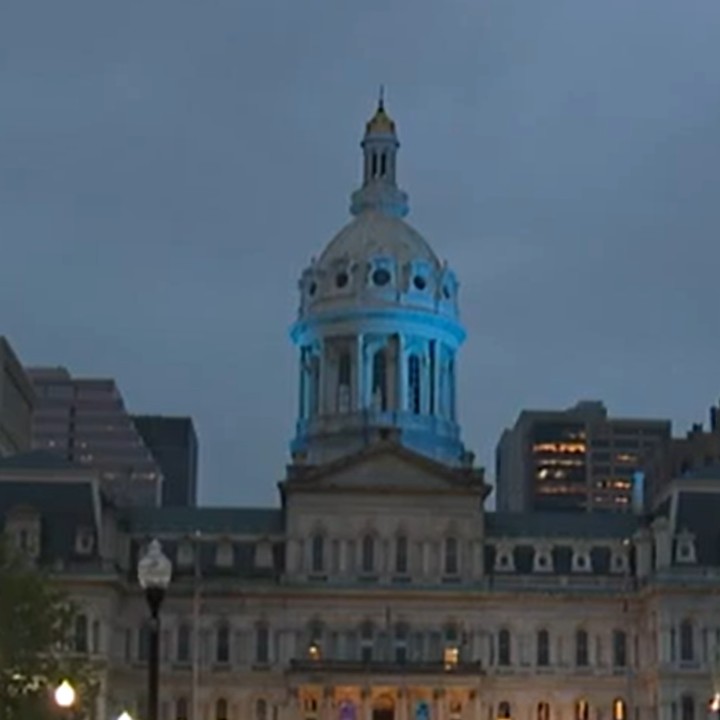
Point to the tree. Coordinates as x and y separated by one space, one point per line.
36 625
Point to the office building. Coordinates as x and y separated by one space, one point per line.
84 420
698 451
16 403
173 443
577 459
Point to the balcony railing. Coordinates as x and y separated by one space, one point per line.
410 667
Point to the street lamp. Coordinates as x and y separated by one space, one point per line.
125 716
154 574
65 696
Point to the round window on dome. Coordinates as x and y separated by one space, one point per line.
381 277
419 282
341 279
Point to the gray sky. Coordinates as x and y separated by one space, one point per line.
168 167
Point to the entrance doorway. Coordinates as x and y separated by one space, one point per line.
383 708
383 713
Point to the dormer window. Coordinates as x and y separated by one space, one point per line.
581 561
685 553
619 561
504 559
23 527
225 554
84 541
264 555
543 560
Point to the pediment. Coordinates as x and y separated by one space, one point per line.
386 469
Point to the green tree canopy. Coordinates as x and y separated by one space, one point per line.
36 625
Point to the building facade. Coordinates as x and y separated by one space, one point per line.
84 420
379 588
173 443
577 459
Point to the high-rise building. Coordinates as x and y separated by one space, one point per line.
577 459
697 452
16 403
84 420
173 443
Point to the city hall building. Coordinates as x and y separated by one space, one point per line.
379 587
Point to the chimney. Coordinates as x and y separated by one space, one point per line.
715 417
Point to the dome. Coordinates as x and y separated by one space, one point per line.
374 234
377 260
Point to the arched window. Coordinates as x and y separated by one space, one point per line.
80 640
687 645
582 710
261 709
262 644
401 642
181 709
582 654
543 648
379 381
221 709
183 644
451 556
367 561
543 711
343 389
687 707
374 165
451 388
414 387
619 709
367 639
504 710
222 643
504 655
619 648
310 708
318 553
401 554
95 636
383 165
314 385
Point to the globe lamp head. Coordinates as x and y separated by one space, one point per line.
65 695
154 568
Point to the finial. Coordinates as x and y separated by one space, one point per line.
381 98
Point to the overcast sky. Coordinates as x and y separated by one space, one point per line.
168 167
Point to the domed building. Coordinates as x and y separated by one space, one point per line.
379 588
378 326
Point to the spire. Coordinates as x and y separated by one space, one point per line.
379 189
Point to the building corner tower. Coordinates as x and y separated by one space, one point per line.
378 329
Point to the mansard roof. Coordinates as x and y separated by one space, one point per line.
698 512
207 520
568 525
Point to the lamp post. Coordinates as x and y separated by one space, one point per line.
154 575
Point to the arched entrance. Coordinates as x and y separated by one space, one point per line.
383 708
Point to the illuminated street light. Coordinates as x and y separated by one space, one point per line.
65 695
125 716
